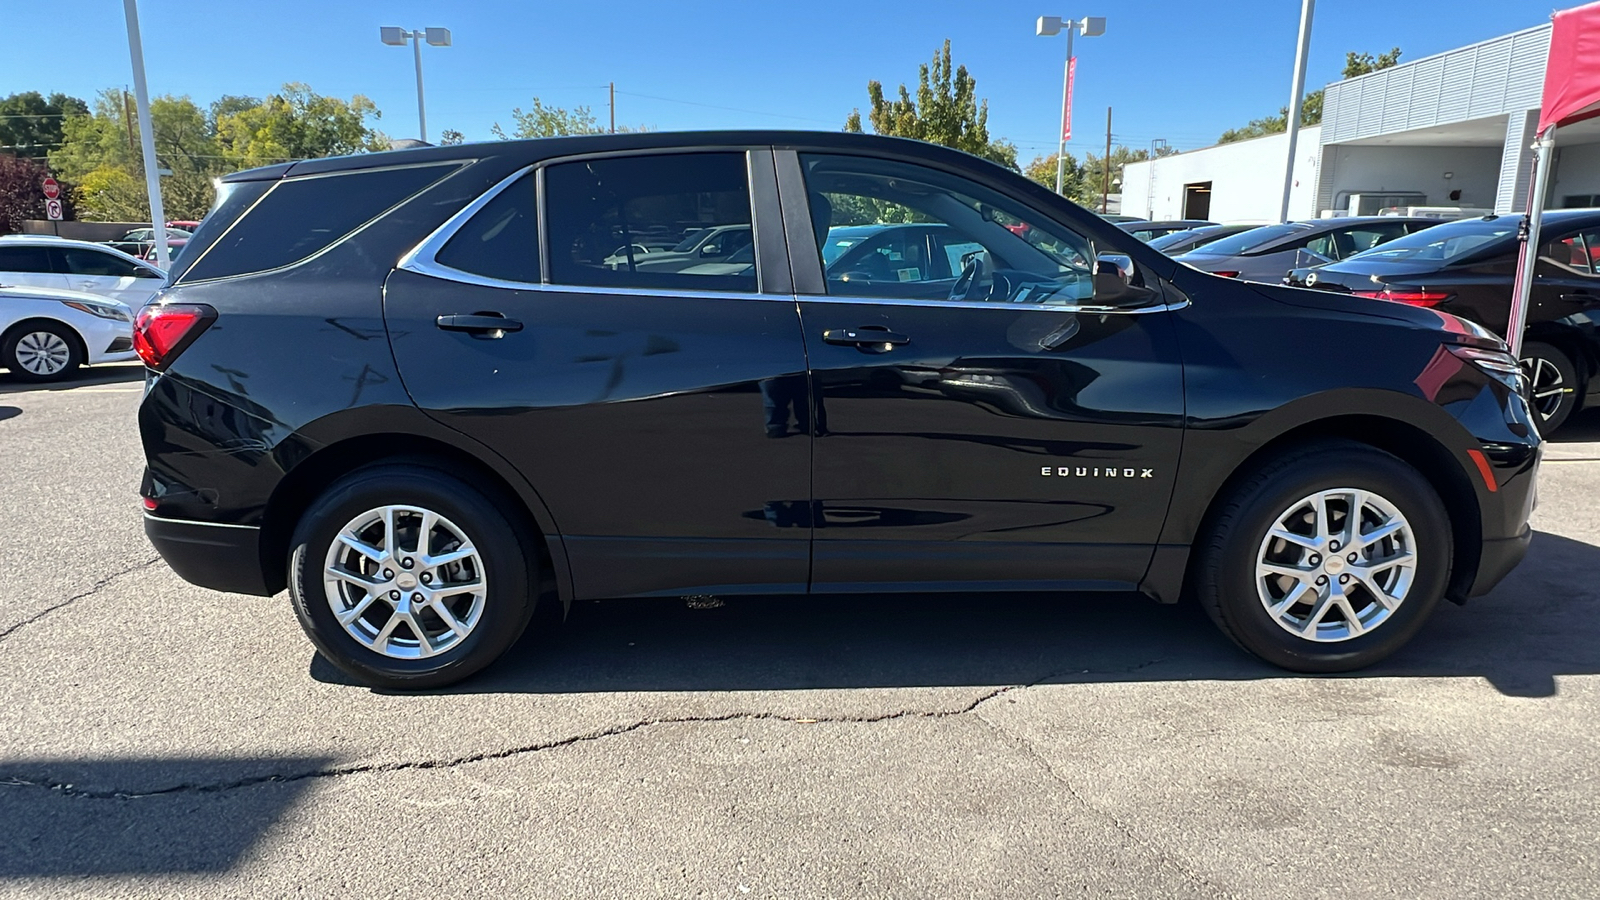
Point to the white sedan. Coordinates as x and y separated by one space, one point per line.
45 333
41 260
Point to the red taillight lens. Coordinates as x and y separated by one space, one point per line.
1226 274
162 331
1410 298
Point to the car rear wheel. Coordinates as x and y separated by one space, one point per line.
1553 384
41 351
1327 559
405 577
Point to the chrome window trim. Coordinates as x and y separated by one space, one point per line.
435 241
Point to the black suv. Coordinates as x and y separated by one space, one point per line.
425 389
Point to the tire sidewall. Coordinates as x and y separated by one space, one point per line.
507 565
8 351
1369 470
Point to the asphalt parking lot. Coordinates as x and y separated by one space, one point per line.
158 739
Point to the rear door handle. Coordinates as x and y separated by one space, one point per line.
491 325
867 337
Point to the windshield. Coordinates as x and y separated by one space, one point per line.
688 242
1245 241
1447 242
1175 237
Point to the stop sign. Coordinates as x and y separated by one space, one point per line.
52 190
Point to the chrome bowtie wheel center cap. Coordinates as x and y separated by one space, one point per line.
406 581
1334 565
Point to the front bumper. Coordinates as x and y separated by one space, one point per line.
220 557
1499 558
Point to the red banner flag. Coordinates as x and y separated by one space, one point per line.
1066 101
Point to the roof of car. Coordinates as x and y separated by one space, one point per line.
546 148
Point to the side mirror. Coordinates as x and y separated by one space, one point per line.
1114 280
710 250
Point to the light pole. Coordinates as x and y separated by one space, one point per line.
1307 10
147 135
1092 26
436 37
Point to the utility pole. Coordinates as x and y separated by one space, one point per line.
613 91
1105 188
1295 100
127 117
147 134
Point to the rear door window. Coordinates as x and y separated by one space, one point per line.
597 211
34 260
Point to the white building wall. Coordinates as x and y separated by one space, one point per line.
1474 171
1246 180
1577 171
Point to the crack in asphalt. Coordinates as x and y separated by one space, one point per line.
93 588
1160 855
69 790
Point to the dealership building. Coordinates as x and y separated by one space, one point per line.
1451 130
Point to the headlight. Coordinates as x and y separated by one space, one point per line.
1497 364
99 310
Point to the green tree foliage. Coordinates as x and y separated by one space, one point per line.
1355 65
1084 182
298 123
450 137
102 161
1043 171
30 123
945 111
553 121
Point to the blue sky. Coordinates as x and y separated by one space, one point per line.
1183 70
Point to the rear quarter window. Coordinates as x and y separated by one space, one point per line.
25 259
300 217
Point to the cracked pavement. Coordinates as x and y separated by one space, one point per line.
158 739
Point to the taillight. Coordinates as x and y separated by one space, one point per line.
1227 274
1410 298
161 331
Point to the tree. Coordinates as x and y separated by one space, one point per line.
553 121
21 194
1355 64
946 111
298 123
450 137
1043 171
30 124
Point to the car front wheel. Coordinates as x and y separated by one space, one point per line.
406 577
43 351
1552 384
1327 559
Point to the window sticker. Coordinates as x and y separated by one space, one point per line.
911 274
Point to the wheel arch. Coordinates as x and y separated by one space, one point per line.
311 475
1415 444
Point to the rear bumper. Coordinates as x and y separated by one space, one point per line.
1499 558
220 557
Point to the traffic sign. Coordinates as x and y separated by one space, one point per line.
52 210
52 190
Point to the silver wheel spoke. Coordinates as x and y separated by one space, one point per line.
1323 577
362 568
347 616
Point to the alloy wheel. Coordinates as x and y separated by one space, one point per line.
405 582
43 353
1335 565
1546 387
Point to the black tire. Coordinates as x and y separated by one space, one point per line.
1543 359
13 339
508 562
1224 573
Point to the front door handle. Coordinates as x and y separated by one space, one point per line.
873 338
487 325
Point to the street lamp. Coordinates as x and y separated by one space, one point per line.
436 37
1091 26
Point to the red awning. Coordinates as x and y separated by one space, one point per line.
1572 76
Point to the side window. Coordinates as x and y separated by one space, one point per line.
34 260
1323 246
600 212
1574 252
501 240
876 220
92 262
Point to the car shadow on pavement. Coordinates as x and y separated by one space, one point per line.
89 376
1539 624
9 412
1580 428
139 816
